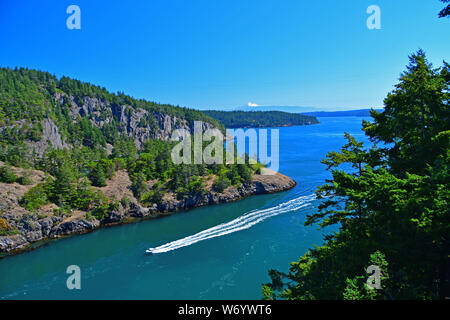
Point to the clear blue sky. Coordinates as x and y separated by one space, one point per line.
226 53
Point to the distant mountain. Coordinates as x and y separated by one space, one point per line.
260 119
347 113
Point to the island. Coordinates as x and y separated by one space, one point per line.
260 119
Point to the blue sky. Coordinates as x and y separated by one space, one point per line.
227 53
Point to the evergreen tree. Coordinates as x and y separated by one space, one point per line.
62 190
139 185
7 175
98 177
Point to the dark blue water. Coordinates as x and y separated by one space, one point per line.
233 266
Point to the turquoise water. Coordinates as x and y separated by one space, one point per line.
230 266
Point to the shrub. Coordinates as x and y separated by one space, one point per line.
245 172
35 198
221 183
98 176
4 225
103 210
89 216
125 201
155 195
25 180
257 167
233 175
139 185
197 185
83 197
5 228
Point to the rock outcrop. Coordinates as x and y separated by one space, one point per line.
32 228
50 138
137 123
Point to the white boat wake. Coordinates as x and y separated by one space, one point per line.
243 222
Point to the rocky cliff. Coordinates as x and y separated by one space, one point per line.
136 123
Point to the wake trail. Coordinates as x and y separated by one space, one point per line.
243 222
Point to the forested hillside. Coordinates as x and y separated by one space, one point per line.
392 207
260 119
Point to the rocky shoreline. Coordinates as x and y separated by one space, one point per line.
33 230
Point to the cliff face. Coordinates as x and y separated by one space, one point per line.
51 137
45 224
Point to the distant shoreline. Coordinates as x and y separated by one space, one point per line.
347 113
260 119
